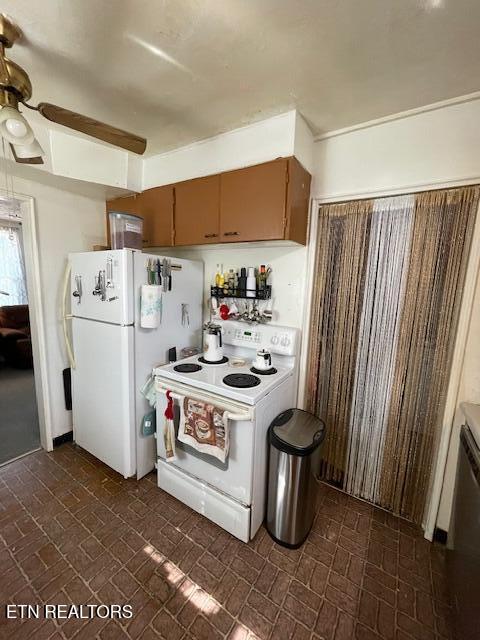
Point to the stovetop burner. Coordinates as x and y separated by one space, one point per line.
188 367
241 380
222 361
263 372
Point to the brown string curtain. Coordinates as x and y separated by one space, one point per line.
388 287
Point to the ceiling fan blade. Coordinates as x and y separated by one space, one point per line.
94 128
26 159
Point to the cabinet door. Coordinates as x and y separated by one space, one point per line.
298 201
128 204
156 209
197 208
252 202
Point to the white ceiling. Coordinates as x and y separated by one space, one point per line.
177 71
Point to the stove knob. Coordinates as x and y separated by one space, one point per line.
285 341
274 340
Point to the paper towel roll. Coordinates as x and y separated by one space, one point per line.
150 306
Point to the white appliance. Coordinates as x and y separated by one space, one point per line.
112 355
463 557
231 494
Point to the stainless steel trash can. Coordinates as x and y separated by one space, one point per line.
294 440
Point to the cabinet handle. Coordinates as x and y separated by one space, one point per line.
211 235
231 233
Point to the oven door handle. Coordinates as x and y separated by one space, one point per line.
175 396
228 415
237 417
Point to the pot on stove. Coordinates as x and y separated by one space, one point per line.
263 361
213 343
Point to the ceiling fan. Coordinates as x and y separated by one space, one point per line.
15 88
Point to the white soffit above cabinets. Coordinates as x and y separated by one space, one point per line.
71 155
277 137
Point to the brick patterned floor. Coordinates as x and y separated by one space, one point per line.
73 531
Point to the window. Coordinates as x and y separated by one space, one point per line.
13 288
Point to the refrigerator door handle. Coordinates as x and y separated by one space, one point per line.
65 316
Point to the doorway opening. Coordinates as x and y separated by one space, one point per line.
19 416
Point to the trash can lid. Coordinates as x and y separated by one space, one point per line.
296 431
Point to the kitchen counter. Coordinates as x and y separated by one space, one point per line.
472 415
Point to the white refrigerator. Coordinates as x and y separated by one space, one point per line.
113 355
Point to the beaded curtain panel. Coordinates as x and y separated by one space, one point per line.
387 295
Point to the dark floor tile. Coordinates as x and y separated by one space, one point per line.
72 530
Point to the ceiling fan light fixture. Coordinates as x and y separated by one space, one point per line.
15 88
28 153
14 127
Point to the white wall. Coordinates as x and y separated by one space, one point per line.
69 217
434 147
439 147
288 272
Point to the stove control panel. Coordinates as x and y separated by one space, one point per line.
247 336
276 339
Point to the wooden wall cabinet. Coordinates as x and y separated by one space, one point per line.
155 206
197 211
252 202
128 204
298 202
267 201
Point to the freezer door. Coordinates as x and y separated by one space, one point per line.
102 393
101 286
152 345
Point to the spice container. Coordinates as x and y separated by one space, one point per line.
251 283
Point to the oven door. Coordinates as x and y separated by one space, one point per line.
234 477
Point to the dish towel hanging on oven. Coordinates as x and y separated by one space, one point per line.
204 427
169 430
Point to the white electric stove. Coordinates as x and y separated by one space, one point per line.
232 494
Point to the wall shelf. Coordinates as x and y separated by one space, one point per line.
245 294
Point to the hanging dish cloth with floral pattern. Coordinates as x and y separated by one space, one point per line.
204 427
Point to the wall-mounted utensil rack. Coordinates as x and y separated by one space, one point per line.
246 294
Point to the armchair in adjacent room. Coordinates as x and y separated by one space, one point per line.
15 340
